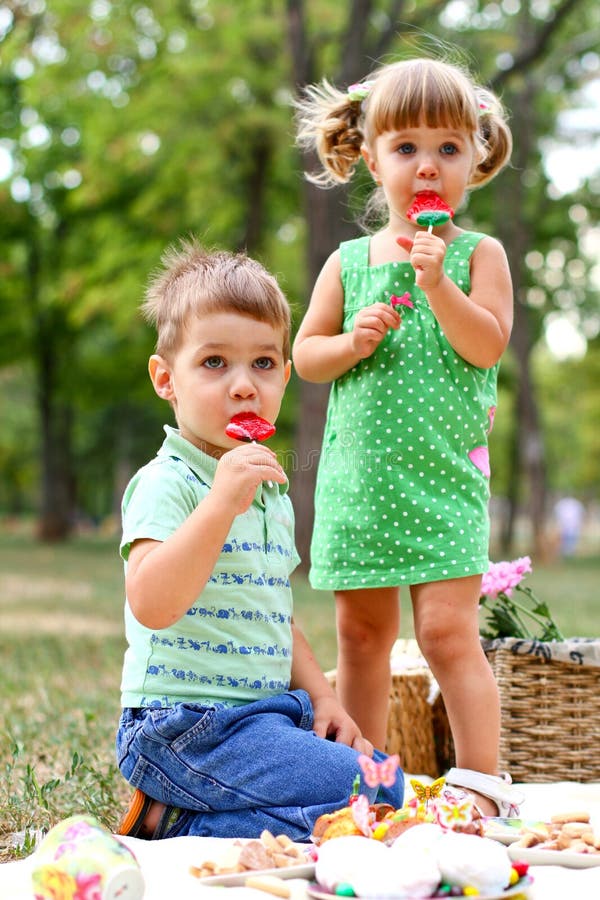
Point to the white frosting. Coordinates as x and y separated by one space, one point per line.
403 873
420 837
465 859
341 860
414 865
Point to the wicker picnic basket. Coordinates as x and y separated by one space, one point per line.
550 711
410 721
550 719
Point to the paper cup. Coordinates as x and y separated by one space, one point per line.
81 858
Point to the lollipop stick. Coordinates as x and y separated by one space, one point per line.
269 482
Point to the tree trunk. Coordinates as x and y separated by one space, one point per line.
328 223
57 505
528 478
57 501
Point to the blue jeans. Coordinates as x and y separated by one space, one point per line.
236 771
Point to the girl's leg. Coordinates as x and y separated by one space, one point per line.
367 626
447 630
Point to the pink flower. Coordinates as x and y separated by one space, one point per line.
89 887
502 577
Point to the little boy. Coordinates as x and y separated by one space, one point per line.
228 724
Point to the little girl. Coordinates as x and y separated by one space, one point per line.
403 481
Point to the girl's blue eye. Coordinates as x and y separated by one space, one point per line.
264 362
213 362
449 149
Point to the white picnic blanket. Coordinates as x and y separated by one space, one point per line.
165 864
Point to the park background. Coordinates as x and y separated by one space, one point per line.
125 125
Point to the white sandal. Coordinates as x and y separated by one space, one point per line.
497 788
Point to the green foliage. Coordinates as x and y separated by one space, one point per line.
521 617
572 419
130 125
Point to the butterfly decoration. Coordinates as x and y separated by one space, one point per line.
426 792
379 773
404 300
362 815
452 811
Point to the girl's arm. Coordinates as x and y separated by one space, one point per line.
164 578
477 326
322 352
330 719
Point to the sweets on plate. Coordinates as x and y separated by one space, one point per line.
269 852
565 831
270 884
247 426
428 210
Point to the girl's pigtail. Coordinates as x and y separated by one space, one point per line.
495 136
329 122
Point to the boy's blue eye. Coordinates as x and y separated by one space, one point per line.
264 362
213 362
406 148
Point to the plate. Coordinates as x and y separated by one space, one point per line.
506 831
537 857
233 879
320 893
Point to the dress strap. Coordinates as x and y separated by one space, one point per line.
468 240
355 253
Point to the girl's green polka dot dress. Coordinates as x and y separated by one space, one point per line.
403 481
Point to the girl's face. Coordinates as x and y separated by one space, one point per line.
409 160
226 364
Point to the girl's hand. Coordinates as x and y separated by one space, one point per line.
371 326
427 253
239 473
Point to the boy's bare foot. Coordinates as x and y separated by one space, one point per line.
144 817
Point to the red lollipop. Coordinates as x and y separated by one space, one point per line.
428 209
247 426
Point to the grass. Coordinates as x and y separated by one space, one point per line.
61 648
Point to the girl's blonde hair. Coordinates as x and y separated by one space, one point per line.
195 281
403 94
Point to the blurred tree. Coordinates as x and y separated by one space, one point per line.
124 126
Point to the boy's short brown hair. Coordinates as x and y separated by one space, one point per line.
194 281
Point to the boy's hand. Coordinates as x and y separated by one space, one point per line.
333 722
427 253
239 473
371 326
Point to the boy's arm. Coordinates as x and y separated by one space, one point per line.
164 578
330 719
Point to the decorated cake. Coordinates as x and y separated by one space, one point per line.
432 847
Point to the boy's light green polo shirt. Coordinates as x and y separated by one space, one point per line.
234 644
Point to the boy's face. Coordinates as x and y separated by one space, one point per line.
226 363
